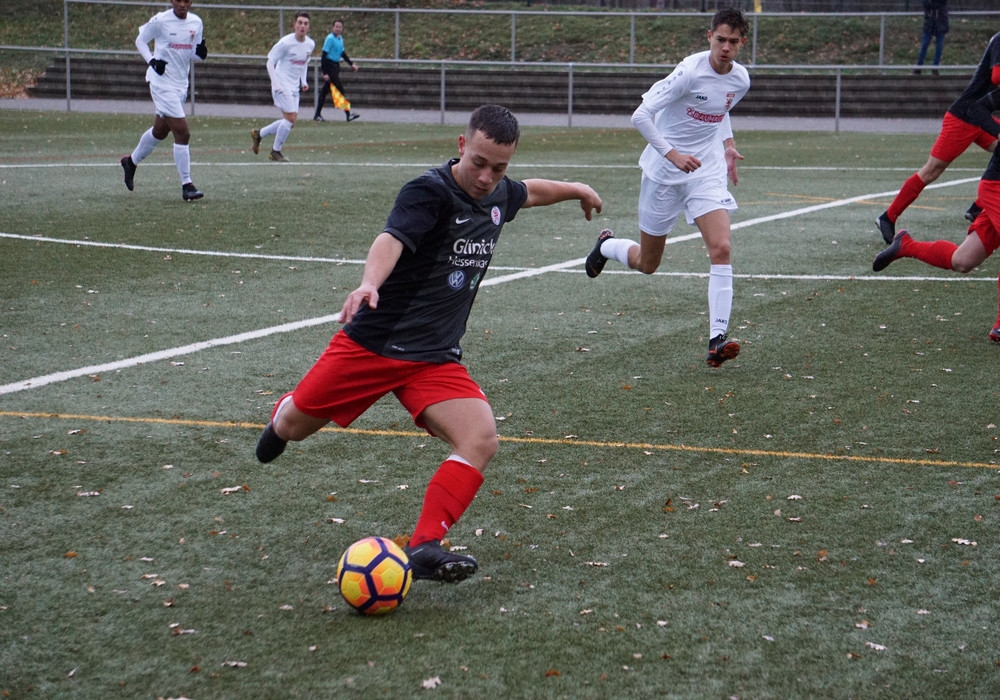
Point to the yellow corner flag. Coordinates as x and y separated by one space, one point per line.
339 101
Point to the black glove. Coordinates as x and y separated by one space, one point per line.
158 64
201 51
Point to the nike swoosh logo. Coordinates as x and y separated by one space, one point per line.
463 221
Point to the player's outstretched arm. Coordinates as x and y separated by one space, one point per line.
382 258
544 192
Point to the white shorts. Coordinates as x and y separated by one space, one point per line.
287 102
169 102
660 205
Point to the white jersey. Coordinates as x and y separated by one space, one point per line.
290 61
175 40
690 113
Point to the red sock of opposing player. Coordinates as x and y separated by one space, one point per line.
936 253
908 194
449 493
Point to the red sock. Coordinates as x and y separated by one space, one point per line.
936 253
449 493
908 194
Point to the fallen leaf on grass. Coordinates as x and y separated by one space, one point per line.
234 489
431 683
876 647
235 664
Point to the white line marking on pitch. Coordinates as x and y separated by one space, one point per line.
298 325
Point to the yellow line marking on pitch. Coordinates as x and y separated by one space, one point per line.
525 440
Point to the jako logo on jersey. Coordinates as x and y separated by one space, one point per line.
495 215
456 280
701 97
464 246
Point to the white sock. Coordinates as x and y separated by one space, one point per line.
617 249
147 143
284 128
720 298
271 128
182 158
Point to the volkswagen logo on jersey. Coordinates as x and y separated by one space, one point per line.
456 279
495 215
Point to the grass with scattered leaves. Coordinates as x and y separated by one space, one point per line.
812 519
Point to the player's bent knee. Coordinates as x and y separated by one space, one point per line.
647 267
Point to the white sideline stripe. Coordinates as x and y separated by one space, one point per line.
165 354
289 327
178 251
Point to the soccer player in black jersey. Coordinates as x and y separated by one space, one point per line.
977 117
403 325
960 128
983 236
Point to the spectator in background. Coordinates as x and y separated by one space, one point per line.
333 52
935 26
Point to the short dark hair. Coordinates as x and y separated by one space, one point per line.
732 17
496 122
303 14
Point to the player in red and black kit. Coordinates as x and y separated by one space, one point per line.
959 130
405 321
986 226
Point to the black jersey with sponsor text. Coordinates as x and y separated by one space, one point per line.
973 105
448 241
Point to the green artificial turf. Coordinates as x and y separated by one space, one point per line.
817 518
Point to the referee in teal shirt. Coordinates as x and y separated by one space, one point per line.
333 52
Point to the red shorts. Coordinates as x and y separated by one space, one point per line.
347 379
956 136
987 224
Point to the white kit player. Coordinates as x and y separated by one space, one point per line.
685 119
288 66
177 36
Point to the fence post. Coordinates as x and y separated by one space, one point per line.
69 103
881 43
443 83
569 98
836 111
397 35
631 38
513 37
